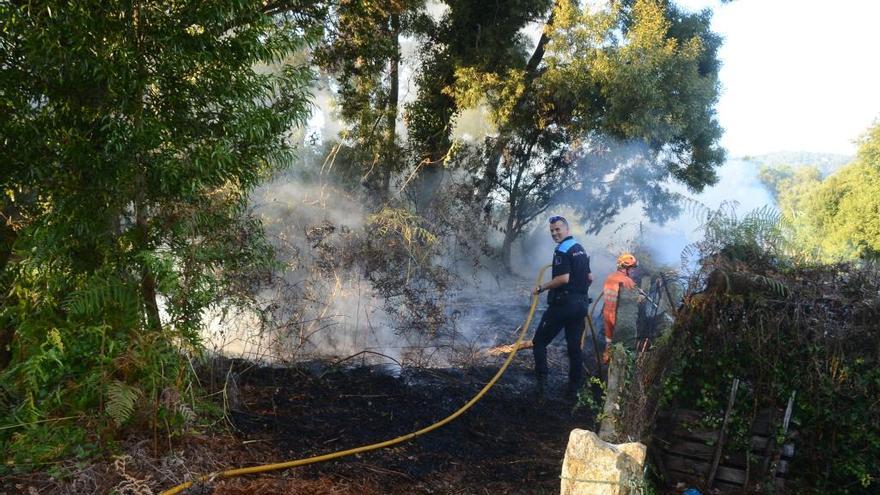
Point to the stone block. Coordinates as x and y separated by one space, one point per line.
595 467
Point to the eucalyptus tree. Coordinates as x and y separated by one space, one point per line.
132 133
361 52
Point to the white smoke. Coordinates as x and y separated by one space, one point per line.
324 313
738 183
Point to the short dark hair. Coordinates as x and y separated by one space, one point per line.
558 218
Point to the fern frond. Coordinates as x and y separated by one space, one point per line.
774 285
186 413
121 399
99 294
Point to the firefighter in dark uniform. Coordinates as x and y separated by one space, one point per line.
568 304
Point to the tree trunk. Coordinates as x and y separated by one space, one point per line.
517 218
148 279
8 236
377 179
390 144
506 248
490 175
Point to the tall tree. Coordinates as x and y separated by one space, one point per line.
613 102
132 135
361 52
468 41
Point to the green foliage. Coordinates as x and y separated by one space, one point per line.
121 400
649 75
836 218
622 100
361 50
586 399
133 134
500 92
34 447
781 326
788 184
470 49
844 209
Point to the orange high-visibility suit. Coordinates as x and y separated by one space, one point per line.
610 291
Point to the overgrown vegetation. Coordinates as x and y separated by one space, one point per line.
132 136
783 327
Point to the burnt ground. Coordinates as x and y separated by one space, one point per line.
507 443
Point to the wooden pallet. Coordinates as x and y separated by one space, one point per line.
684 452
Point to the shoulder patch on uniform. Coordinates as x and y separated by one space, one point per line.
565 245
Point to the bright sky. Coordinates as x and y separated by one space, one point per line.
798 75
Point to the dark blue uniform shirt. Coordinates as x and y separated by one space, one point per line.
570 257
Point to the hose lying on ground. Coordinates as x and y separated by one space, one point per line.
366 448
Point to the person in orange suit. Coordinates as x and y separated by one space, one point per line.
610 291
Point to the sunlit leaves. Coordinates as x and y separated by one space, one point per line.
406 225
500 92
836 218
121 400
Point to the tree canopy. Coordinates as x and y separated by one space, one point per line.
609 104
836 218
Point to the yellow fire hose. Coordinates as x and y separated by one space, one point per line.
231 473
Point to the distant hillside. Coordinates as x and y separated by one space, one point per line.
826 162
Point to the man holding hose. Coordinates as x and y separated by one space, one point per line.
567 305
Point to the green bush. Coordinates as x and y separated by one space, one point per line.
782 328
133 134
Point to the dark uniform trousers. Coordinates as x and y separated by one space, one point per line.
567 312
